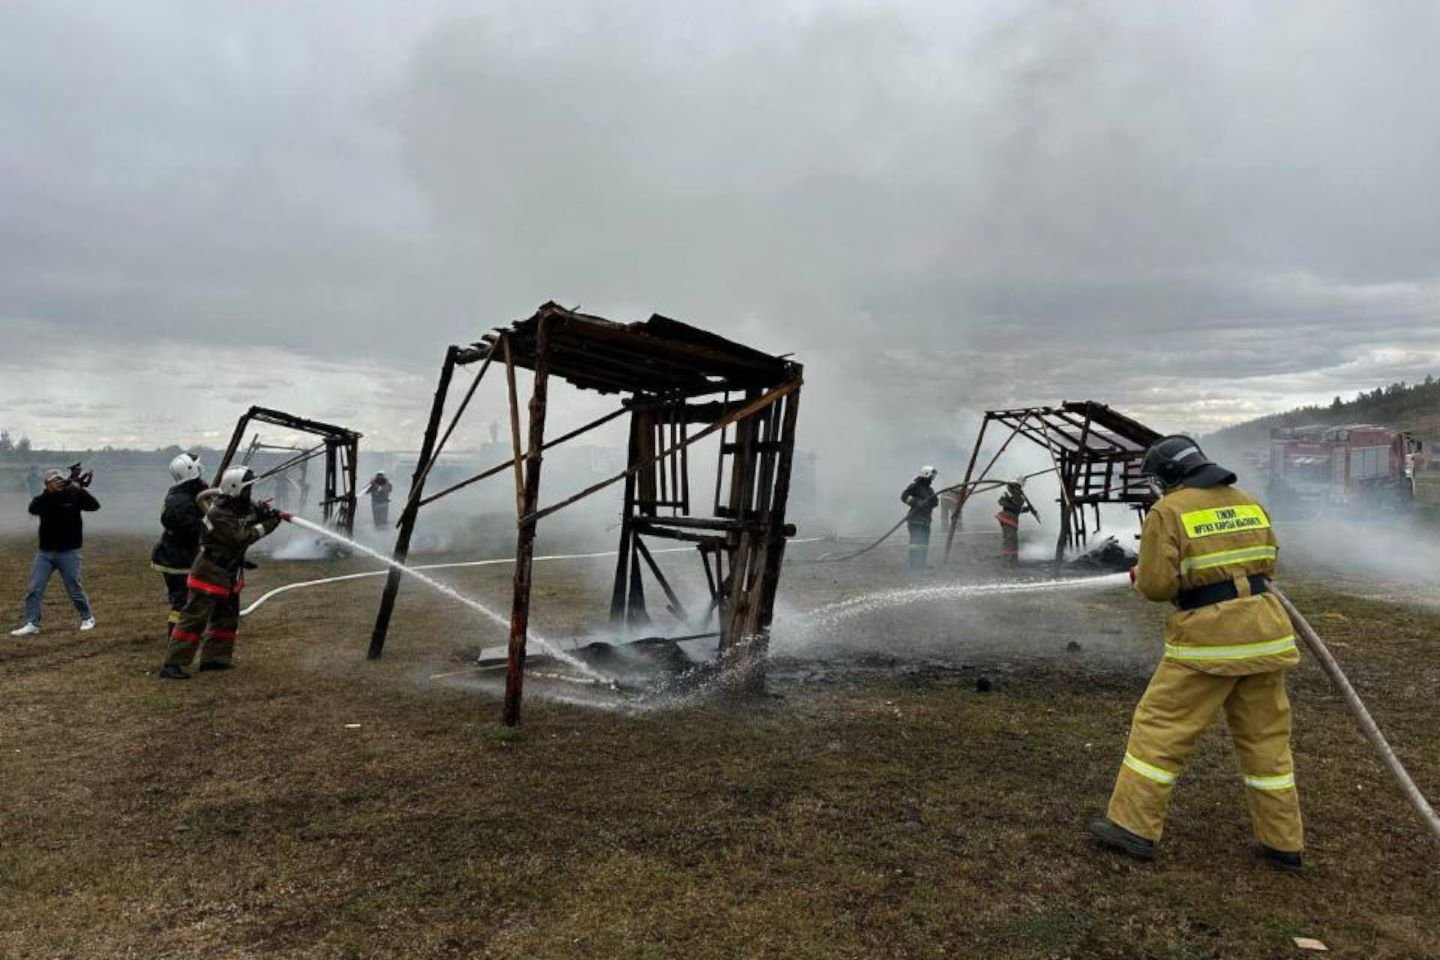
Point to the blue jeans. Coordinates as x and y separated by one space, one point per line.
46 563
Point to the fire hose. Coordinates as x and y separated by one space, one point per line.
364 575
1362 715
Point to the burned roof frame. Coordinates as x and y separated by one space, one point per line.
663 367
1095 452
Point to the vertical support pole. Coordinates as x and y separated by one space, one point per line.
646 496
621 590
514 427
964 491
751 679
235 439
1063 471
412 507
352 495
739 603
330 472
525 537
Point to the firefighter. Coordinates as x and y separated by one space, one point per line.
922 501
1012 503
1208 548
231 522
175 552
378 490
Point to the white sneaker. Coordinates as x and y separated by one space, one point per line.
88 623
26 630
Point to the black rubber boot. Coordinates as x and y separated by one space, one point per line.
1114 835
214 665
172 672
1282 860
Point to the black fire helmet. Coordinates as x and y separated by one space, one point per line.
1179 459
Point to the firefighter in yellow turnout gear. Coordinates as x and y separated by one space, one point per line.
1208 548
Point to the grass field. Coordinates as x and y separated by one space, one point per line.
870 807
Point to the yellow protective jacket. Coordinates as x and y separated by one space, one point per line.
1198 537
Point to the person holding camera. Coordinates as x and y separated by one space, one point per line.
59 506
232 521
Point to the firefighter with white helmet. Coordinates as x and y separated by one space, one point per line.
922 500
231 521
1013 502
1208 548
180 541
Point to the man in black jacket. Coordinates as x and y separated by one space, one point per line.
59 507
922 500
181 518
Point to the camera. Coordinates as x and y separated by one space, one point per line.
79 476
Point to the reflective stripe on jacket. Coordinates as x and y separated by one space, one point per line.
1196 538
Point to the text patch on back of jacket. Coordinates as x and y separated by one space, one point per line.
1217 520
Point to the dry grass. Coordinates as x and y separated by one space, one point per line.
903 816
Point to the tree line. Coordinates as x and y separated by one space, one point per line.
1400 405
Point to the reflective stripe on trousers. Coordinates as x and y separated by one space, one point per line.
1285 781
1243 651
1148 770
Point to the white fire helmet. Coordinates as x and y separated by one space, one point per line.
235 480
1020 480
185 467
928 472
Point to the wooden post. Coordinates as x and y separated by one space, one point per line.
735 613
330 482
965 489
412 507
525 537
235 439
352 498
619 595
514 427
757 648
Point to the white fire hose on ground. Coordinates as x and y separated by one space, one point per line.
457 565
1362 715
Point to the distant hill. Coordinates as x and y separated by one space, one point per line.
1413 407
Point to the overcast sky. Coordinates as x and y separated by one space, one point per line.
1195 212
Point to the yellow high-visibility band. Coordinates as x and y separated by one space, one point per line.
1244 651
178 571
1285 781
1243 555
1208 523
1148 770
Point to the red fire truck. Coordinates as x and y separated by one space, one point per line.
1361 466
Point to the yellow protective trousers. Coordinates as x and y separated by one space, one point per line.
1177 706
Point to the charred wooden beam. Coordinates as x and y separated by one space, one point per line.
525 538
412 507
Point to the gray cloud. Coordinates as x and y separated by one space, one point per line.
1198 213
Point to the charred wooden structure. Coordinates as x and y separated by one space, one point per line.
678 385
338 445
1095 452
